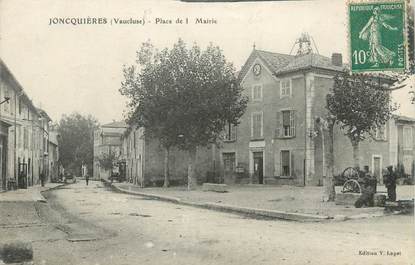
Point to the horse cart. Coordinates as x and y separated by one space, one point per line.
353 181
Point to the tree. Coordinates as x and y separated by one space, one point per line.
107 160
359 107
183 97
326 130
76 141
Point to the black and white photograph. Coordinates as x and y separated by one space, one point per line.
207 132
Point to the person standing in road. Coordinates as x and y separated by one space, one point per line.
42 179
87 179
390 182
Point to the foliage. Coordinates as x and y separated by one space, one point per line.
182 96
358 105
182 92
76 141
107 160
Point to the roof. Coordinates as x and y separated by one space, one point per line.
6 74
280 63
116 124
405 118
44 114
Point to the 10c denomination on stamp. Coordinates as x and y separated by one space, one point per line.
377 36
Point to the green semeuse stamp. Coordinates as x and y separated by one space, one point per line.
377 36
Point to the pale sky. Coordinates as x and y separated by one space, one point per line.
68 68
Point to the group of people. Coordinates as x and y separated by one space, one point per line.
369 185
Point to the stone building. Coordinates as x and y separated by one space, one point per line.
144 158
107 139
22 131
53 154
276 141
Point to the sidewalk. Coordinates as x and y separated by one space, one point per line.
32 193
285 202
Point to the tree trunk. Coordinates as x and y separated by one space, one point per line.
191 184
356 154
166 167
330 192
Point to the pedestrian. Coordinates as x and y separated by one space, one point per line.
87 179
42 179
368 189
390 183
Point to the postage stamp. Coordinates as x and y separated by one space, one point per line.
377 36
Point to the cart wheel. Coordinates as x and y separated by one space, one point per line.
351 186
350 173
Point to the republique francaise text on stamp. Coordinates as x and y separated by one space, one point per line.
377 36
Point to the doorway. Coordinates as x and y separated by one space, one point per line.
377 168
259 166
228 166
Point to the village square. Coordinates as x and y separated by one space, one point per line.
234 149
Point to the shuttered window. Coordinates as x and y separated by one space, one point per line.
380 133
256 125
407 138
286 121
230 132
285 88
257 92
285 163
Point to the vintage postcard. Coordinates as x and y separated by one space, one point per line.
207 132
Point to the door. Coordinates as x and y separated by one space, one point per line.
228 166
377 168
259 166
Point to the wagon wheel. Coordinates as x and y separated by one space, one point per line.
350 173
351 186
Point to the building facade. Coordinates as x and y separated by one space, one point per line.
23 129
107 139
278 141
144 159
53 154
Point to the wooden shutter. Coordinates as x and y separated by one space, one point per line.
292 122
278 125
277 164
292 164
233 132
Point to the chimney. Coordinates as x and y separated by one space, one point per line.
336 59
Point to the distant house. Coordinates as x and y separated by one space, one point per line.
107 139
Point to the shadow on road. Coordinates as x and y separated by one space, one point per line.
75 227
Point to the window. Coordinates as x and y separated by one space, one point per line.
380 133
230 132
256 129
407 138
229 162
257 92
407 164
285 88
285 163
19 137
25 138
285 124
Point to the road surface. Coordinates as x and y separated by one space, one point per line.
93 225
